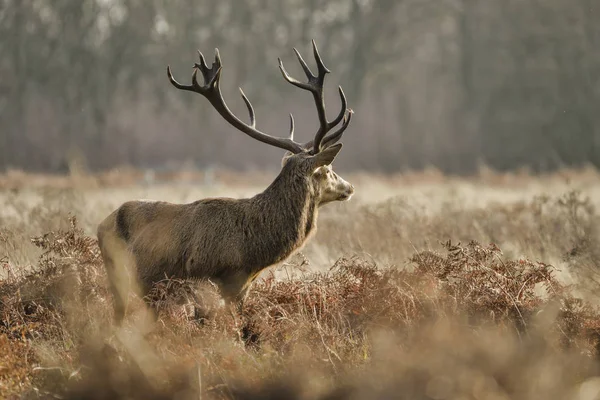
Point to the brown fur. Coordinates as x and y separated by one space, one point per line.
229 241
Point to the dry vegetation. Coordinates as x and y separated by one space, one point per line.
425 287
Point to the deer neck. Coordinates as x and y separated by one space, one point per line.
290 207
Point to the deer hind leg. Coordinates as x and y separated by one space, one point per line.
118 262
144 292
119 298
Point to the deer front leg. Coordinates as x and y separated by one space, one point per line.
234 288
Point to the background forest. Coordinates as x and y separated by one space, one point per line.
453 84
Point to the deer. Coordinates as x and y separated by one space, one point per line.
225 240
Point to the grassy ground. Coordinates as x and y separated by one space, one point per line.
421 287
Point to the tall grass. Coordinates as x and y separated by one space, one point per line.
404 301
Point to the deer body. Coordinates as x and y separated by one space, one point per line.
229 241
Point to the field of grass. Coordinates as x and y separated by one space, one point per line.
421 287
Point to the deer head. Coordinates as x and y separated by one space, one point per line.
311 160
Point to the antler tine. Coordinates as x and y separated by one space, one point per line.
203 64
175 83
250 109
212 91
291 136
291 80
217 57
320 65
304 66
337 135
342 111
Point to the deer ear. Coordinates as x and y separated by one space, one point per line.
326 156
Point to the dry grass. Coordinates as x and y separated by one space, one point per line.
404 293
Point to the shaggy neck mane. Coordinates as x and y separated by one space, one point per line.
286 211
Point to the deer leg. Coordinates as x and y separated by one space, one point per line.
119 299
240 298
118 261
242 293
230 291
234 289
151 309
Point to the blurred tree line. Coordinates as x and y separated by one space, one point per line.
449 83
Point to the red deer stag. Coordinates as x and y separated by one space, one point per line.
229 241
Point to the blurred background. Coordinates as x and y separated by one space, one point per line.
451 84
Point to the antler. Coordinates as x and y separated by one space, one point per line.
212 91
315 86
